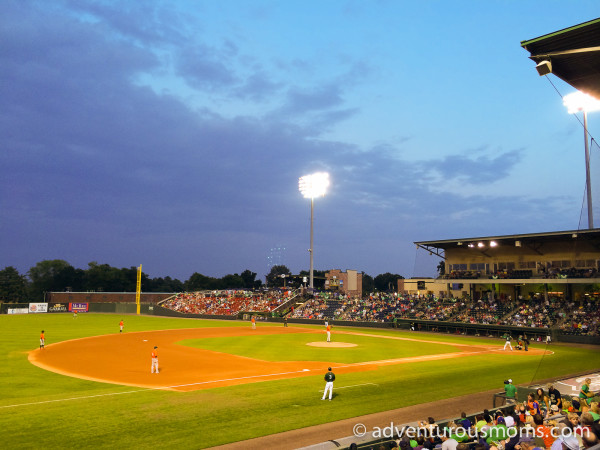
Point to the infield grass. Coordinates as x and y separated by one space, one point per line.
293 347
40 409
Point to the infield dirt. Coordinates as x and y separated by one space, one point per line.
125 359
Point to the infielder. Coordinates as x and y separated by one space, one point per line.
328 329
253 320
121 326
507 343
42 339
154 361
329 378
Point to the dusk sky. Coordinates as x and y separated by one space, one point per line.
172 133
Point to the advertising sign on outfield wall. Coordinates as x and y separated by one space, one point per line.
57 307
18 311
38 308
79 307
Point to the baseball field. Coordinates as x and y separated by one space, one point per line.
221 381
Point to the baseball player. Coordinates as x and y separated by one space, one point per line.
121 326
42 339
329 379
154 360
507 343
328 330
253 320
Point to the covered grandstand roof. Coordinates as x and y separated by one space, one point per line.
592 235
573 55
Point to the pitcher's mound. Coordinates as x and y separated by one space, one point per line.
331 344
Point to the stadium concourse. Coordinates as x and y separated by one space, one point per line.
581 317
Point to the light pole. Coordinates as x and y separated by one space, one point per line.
312 186
575 102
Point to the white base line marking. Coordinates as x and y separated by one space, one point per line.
76 398
238 378
353 385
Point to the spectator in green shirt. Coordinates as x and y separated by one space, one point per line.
511 392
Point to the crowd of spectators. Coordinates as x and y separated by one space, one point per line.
534 312
488 312
228 302
582 317
541 421
379 307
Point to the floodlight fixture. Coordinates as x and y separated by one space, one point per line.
493 244
580 101
480 244
314 185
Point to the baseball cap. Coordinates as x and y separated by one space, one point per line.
510 380
155 346
329 368
570 442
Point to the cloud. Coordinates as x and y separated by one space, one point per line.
257 87
473 169
96 167
205 67
143 22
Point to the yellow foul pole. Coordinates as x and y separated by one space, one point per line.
138 289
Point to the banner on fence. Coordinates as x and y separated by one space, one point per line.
57 307
78 307
38 308
18 310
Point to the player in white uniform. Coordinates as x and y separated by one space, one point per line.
329 378
154 361
507 343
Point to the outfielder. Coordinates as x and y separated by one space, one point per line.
121 326
329 378
42 339
328 329
253 320
154 361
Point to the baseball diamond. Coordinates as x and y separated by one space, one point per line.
185 368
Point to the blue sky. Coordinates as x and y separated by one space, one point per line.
172 133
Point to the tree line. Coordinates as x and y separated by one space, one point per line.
58 275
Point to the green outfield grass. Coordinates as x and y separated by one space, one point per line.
40 409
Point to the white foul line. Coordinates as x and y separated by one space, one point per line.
154 389
238 378
74 398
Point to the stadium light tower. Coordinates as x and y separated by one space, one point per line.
575 102
312 186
